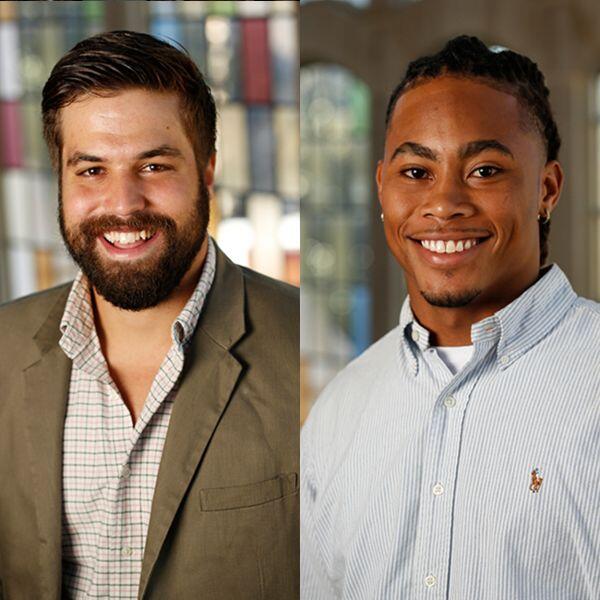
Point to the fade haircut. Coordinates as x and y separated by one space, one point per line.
108 63
508 71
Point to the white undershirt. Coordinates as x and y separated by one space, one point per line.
455 357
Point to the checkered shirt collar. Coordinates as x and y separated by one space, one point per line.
77 324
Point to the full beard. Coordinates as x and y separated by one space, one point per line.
146 282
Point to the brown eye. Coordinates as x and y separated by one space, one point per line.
155 168
91 172
415 173
485 172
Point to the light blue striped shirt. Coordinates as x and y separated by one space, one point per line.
417 483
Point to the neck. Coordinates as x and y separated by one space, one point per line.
452 326
148 329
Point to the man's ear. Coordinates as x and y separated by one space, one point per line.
209 170
378 178
552 182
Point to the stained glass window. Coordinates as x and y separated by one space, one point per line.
33 36
248 52
336 252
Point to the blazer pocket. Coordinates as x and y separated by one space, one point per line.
251 494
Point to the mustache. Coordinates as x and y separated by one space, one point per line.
96 226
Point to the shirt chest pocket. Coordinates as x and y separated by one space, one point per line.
250 494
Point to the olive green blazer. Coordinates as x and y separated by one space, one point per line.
224 521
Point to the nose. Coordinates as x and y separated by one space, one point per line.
448 199
123 195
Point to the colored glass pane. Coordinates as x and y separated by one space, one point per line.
256 61
93 9
287 142
260 135
221 7
35 150
167 29
256 8
10 76
8 11
11 152
195 42
17 208
233 151
283 40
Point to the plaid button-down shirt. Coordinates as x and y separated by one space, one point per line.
109 466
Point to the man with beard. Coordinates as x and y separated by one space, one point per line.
457 457
148 410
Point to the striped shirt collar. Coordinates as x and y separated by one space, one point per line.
77 324
514 329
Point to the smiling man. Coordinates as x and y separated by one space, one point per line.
148 410
457 457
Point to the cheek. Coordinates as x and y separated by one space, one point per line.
78 202
397 205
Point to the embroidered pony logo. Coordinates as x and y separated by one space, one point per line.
536 481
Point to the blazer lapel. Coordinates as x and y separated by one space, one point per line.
46 390
208 381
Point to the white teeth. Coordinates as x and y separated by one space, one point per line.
126 237
449 247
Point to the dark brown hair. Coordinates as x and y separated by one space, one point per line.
118 60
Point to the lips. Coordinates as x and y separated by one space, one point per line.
449 250
136 249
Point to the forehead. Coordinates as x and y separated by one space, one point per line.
122 121
458 110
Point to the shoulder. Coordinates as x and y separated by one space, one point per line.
584 307
344 400
20 322
268 296
350 400
27 314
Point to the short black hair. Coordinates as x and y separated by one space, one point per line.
467 56
115 61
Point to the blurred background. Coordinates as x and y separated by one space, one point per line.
247 50
352 55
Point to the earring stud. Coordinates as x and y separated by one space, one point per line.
381 217
546 218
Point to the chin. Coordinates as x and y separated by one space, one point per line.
451 298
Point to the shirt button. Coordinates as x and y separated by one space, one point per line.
415 335
450 402
125 472
126 551
504 359
438 489
430 580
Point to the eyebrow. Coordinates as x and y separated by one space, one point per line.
164 150
416 149
473 148
467 151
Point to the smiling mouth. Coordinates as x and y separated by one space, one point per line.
450 246
128 239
